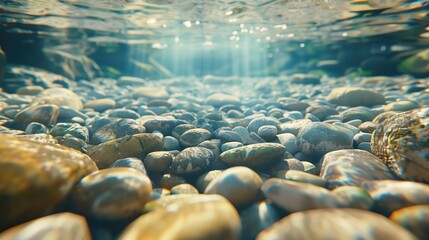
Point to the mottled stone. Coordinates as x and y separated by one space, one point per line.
112 194
321 112
138 145
221 99
45 114
353 197
391 195
230 145
73 142
57 226
150 93
192 160
414 218
74 129
160 123
254 156
256 123
354 96
268 133
184 188
401 141
289 141
59 97
317 139
35 178
100 105
295 196
190 219
158 162
361 113
193 137
256 218
204 180
229 136
300 176
130 162
367 127
168 181
335 224
294 126
35 128
115 128
352 167
240 185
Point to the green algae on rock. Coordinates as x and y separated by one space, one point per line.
35 177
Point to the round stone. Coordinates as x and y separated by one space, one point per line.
171 143
354 96
123 113
44 114
254 156
130 162
268 133
184 188
74 129
256 123
230 145
221 99
229 136
100 105
180 129
168 181
240 185
114 128
59 97
192 160
158 162
289 141
112 194
204 180
35 128
193 137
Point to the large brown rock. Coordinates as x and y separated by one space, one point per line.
36 177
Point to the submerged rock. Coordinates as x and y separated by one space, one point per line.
45 114
354 97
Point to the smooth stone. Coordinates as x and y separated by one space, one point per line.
158 162
100 105
278 170
289 141
254 156
29 90
401 141
301 176
368 127
322 112
230 145
38 137
168 181
353 130
60 97
256 123
256 218
391 195
296 196
138 145
184 188
240 185
335 224
130 162
61 225
35 128
114 129
112 194
123 113
229 136
293 114
366 146
171 143
160 123
401 106
158 193
318 139
294 126
268 133
301 78
221 99
244 134
352 167
361 113
36 177
180 129
44 114
150 93
204 180
74 129
195 136
355 122
354 96
66 112
309 167
73 142
130 81
414 218
191 218
362 137
192 160
353 197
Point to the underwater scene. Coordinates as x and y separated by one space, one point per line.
214 119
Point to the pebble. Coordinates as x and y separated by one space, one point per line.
60 97
204 180
256 123
414 218
294 126
168 181
296 196
322 112
73 142
100 105
390 196
60 225
362 137
158 162
221 99
171 143
256 218
254 156
113 129
74 129
317 139
189 219
36 177
35 128
165 125
123 113
29 90
150 93
45 114
192 160
184 188
301 176
195 136
112 194
401 106
268 133
229 136
138 145
335 224
353 197
289 141
130 162
360 113
230 145
354 96
368 127
240 185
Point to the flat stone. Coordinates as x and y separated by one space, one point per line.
401 106
195 136
190 219
100 105
160 123
29 90
221 99
184 188
353 97
352 167
254 156
150 93
391 195
114 129
361 113
268 133
59 97
240 185
158 162
333 224
66 225
112 194
74 129
130 162
138 145
414 219
44 114
123 113
192 160
36 177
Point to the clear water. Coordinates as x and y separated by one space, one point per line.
164 38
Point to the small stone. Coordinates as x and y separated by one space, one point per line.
240 185
130 162
180 129
73 142
353 197
229 136
158 162
100 105
362 137
300 78
368 127
204 180
168 181
160 123
268 133
330 224
321 112
29 90
254 156
60 97
35 128
353 97
294 126
401 106
150 93
221 99
138 145
256 218
74 129
130 81
300 176
289 141
352 167
192 160
184 188
114 129
193 137
171 143
123 113
414 218
44 114
112 194
61 225
230 145
256 123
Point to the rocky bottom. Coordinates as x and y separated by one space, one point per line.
291 157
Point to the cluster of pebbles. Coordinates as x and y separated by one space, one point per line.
292 157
